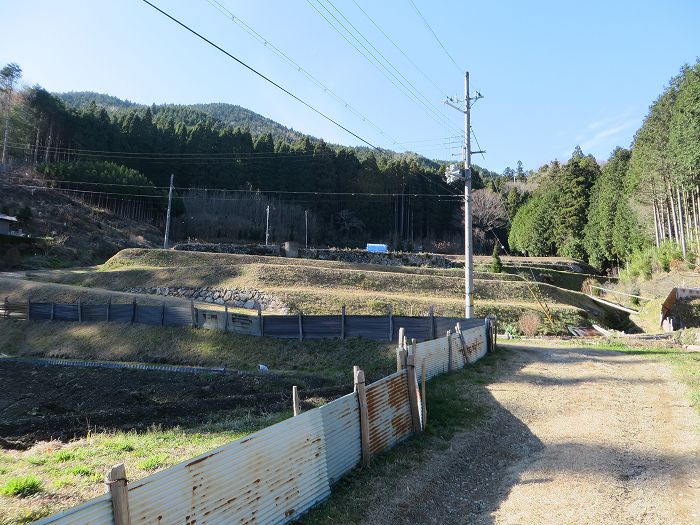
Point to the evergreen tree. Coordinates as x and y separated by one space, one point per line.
496 266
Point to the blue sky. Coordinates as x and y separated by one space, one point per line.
554 74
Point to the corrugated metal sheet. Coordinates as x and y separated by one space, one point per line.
94 312
149 314
271 476
276 474
65 312
40 311
418 328
121 313
321 326
436 355
178 316
367 326
475 339
282 326
389 412
97 511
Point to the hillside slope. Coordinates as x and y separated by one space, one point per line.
66 231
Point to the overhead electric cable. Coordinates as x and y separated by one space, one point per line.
252 32
266 192
431 112
427 77
278 86
435 35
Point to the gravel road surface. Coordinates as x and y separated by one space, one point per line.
573 436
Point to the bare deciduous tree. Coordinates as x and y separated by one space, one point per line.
488 211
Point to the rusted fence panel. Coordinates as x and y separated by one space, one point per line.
278 473
271 476
389 412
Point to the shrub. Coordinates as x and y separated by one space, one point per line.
587 287
529 324
22 486
496 265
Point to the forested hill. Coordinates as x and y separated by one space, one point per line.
190 114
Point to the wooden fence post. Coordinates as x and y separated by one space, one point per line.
7 308
296 403
399 360
342 322
364 415
449 350
193 312
29 308
225 318
109 307
424 402
355 369
133 311
413 388
116 483
301 328
390 312
53 308
80 312
162 315
261 322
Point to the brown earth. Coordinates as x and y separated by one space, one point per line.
572 436
43 402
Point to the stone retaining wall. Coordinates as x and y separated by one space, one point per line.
236 297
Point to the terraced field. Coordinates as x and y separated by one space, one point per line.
315 286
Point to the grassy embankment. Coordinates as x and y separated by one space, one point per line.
314 286
331 359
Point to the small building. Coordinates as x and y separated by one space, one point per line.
7 224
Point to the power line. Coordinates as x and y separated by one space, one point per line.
408 82
252 32
391 77
218 190
477 143
427 77
250 68
434 34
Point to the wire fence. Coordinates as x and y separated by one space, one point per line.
298 326
278 473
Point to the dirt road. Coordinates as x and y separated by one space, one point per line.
573 436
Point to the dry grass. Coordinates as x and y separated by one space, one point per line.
319 287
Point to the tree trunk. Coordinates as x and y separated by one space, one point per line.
673 213
656 222
48 143
680 221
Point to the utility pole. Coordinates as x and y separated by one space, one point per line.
306 222
467 157
267 226
167 218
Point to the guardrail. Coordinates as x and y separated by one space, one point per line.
278 473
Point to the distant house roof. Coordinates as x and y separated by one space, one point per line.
8 218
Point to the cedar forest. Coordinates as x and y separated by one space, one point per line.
230 164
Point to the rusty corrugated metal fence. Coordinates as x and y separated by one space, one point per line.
278 473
